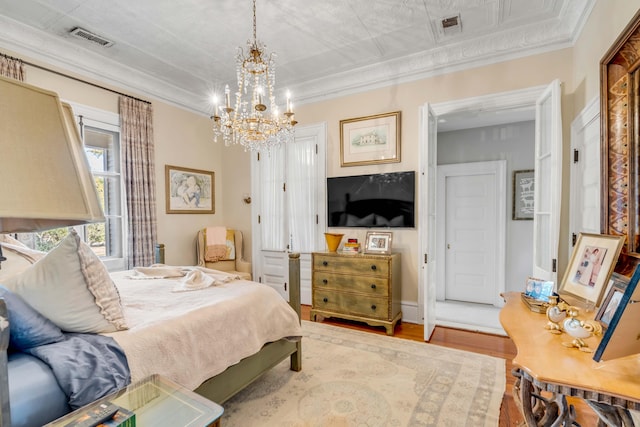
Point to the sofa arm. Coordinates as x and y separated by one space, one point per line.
243 266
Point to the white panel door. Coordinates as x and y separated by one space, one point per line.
288 208
471 238
427 208
585 172
548 175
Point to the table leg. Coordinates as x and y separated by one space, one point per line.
537 410
611 416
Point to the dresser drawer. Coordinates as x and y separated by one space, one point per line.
352 304
373 285
351 265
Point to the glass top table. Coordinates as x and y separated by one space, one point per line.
156 401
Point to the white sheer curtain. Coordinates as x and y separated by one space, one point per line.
272 202
289 217
301 195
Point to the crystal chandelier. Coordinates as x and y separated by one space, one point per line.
252 123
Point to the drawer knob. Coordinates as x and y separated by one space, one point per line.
373 267
373 307
325 263
373 286
325 299
325 281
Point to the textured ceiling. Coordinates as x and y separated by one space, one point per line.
183 51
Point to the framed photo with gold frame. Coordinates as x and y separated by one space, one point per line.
370 140
378 242
189 190
592 262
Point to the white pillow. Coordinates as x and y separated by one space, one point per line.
72 287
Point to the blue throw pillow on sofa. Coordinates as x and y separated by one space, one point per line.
27 327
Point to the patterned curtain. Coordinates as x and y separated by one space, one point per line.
12 68
139 176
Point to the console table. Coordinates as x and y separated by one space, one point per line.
546 372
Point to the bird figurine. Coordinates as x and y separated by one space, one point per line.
579 330
556 313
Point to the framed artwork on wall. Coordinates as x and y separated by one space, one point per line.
189 190
592 262
523 194
370 140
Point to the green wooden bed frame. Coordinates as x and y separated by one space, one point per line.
219 388
235 378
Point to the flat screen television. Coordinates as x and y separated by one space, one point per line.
384 200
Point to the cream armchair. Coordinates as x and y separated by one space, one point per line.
238 266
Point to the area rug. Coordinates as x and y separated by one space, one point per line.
354 378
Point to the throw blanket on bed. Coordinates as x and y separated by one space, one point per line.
190 278
86 366
219 244
189 337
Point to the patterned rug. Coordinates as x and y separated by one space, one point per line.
354 378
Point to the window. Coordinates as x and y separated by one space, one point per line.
101 136
103 152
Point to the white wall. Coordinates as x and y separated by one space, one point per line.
511 142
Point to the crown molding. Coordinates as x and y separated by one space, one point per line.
479 51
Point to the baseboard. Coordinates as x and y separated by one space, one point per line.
469 316
410 312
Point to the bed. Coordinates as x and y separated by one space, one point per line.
232 331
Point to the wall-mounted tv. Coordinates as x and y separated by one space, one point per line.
379 200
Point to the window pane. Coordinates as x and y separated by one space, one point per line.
46 240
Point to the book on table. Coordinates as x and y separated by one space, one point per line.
106 414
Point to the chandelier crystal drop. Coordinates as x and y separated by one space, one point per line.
254 121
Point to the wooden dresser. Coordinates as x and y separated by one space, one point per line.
359 287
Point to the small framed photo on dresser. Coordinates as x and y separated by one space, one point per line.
378 242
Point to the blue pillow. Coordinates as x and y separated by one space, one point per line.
27 327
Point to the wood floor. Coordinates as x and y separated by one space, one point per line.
492 345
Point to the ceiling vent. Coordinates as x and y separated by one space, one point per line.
451 25
91 37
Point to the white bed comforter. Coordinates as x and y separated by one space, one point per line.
191 336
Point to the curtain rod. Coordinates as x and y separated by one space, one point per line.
73 78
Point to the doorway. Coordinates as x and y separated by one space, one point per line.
540 106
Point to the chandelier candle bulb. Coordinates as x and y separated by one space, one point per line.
227 97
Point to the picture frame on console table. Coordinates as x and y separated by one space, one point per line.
370 140
620 339
613 296
378 242
592 262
